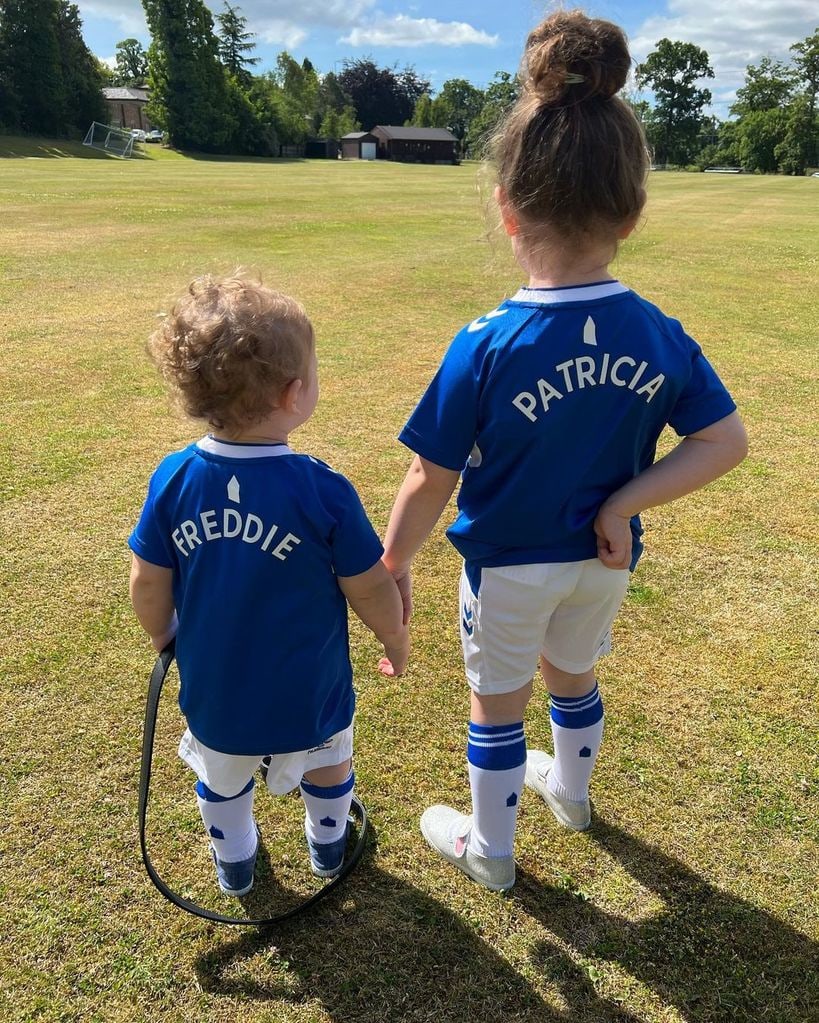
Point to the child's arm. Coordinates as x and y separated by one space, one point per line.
698 459
374 597
152 597
421 500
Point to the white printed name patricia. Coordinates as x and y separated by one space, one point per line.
584 372
250 528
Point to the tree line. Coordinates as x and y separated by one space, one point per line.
207 97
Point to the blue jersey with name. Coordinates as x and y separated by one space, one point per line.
550 403
255 536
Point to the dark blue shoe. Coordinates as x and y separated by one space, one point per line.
327 859
235 878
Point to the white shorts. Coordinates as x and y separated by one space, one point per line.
563 611
227 774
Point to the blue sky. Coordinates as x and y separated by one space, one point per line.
448 39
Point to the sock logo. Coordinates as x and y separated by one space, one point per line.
327 822
466 620
585 752
512 800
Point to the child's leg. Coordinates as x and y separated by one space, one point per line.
496 753
577 730
327 793
229 822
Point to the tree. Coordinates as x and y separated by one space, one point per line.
806 60
671 72
768 86
499 97
335 124
33 89
82 81
422 114
132 63
381 95
758 134
235 43
191 94
456 107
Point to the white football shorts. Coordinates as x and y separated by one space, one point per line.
227 774
563 611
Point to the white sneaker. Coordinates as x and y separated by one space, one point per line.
447 831
571 814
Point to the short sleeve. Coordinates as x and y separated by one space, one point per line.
147 541
444 425
354 543
704 399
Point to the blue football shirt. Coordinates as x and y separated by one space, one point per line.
550 403
255 536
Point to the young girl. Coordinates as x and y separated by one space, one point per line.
549 408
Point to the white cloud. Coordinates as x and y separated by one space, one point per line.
128 14
733 35
403 31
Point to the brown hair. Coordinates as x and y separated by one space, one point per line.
229 347
571 154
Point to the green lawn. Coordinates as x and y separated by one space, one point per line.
693 897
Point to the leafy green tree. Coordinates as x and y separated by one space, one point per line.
768 85
191 93
236 43
82 81
806 61
132 63
422 114
499 97
456 107
336 124
795 152
671 72
298 100
33 89
758 134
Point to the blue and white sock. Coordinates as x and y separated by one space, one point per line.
325 810
497 766
229 822
577 731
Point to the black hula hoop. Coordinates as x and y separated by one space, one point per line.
158 675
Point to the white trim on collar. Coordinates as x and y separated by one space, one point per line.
581 293
228 449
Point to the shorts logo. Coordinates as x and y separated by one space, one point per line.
466 621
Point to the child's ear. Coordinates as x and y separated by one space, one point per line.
289 400
510 220
626 229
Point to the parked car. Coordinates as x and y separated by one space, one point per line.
139 135
155 136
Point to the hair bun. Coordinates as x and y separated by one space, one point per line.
570 58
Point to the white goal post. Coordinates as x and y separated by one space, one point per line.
106 138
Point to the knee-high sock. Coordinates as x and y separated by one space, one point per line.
497 766
229 822
326 809
577 731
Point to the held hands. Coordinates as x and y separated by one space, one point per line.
613 538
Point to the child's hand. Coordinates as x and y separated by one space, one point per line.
613 538
397 655
161 640
403 581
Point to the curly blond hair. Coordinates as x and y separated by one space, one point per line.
229 347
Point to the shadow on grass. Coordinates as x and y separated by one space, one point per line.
715 957
11 150
381 950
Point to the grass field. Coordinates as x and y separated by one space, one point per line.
693 897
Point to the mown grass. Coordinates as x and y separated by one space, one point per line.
693 896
